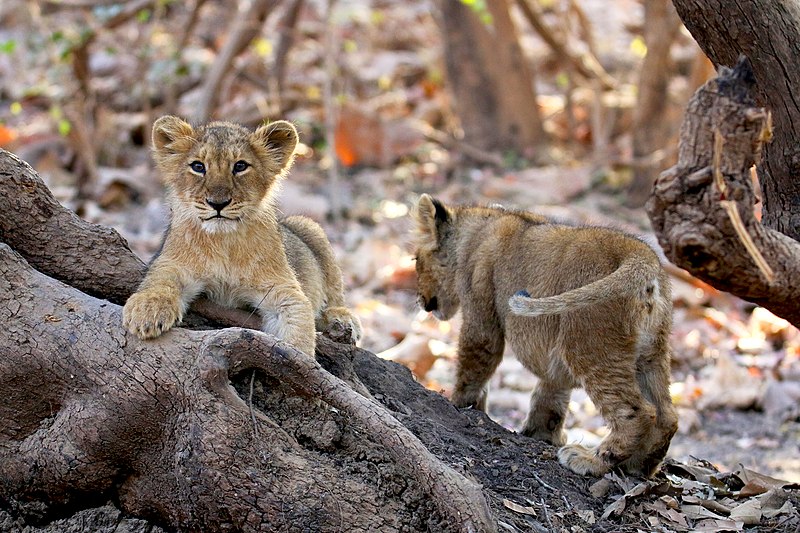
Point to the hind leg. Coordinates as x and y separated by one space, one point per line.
480 350
548 409
653 377
609 379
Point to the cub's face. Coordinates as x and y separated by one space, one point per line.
221 174
435 258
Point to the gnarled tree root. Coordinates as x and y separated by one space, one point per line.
92 411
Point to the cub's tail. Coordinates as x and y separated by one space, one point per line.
634 276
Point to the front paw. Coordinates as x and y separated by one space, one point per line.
147 315
341 325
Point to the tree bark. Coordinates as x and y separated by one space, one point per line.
490 79
766 32
651 129
702 208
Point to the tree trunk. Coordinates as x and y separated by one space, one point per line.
702 208
490 79
766 32
652 129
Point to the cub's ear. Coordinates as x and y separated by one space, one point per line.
280 140
431 216
172 135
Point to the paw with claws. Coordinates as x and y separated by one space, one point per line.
149 314
341 325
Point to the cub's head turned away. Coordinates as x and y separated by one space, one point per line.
436 249
221 174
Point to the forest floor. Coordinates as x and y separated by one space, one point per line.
736 368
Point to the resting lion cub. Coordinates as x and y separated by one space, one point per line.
580 306
225 239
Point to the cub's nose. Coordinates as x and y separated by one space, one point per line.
218 206
431 305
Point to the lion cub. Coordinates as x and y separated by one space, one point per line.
580 306
225 240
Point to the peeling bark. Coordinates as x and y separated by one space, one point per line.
766 32
687 208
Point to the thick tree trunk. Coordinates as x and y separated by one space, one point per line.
702 208
652 130
490 79
766 31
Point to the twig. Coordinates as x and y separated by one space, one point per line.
731 208
250 404
566 501
541 482
586 65
473 152
247 24
546 515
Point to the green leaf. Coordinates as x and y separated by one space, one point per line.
64 127
8 46
143 15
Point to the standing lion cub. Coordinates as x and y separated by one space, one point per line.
225 239
580 306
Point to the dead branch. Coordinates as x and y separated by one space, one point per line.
586 65
247 23
692 202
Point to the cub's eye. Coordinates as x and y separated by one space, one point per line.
240 166
198 167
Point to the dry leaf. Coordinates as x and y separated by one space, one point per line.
712 526
698 512
587 516
600 488
712 505
517 508
773 502
748 512
755 483
615 508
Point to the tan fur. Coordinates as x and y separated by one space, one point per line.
598 315
226 242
